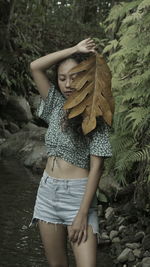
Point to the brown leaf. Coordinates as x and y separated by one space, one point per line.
93 96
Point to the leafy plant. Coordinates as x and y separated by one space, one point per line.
128 53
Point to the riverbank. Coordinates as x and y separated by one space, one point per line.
124 229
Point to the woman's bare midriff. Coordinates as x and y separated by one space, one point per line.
59 168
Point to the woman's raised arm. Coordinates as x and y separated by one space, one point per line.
39 66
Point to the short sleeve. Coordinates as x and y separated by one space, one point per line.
99 141
46 105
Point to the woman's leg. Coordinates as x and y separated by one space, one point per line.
54 238
86 252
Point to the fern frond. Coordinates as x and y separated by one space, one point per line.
123 161
120 143
120 10
129 96
121 178
137 115
116 12
141 79
130 68
144 5
111 47
111 27
126 39
146 51
141 155
139 96
130 19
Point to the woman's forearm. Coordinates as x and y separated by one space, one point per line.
43 63
92 184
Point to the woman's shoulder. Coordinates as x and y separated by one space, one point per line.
99 139
46 106
54 93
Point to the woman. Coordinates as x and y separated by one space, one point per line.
66 200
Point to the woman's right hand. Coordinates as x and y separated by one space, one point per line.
86 46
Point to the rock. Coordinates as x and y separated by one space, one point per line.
36 157
121 220
146 262
129 210
146 253
13 144
147 228
2 140
28 146
4 133
104 260
133 245
146 242
111 226
121 228
116 249
109 212
34 101
1 123
100 210
13 127
109 185
104 241
131 257
137 253
139 236
30 126
18 108
116 240
113 234
7 134
104 235
126 255
127 239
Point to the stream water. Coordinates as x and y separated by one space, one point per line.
19 245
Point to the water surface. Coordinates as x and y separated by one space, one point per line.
20 245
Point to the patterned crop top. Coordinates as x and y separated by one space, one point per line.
67 144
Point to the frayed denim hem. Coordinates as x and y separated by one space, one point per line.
34 221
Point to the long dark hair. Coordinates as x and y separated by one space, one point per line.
76 122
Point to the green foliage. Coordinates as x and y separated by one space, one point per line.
130 66
30 29
111 47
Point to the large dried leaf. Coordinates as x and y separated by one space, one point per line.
93 96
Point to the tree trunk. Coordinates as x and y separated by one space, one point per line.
78 10
7 10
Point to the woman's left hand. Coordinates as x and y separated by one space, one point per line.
78 231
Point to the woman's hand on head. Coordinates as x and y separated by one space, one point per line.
86 46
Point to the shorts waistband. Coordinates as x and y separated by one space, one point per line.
65 180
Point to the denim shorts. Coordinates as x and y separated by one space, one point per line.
58 201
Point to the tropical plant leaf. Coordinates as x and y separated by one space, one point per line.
93 96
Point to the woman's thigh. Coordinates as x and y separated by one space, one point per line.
54 238
86 252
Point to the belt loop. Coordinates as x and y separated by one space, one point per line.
66 184
46 179
54 159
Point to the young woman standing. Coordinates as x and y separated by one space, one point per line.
66 205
